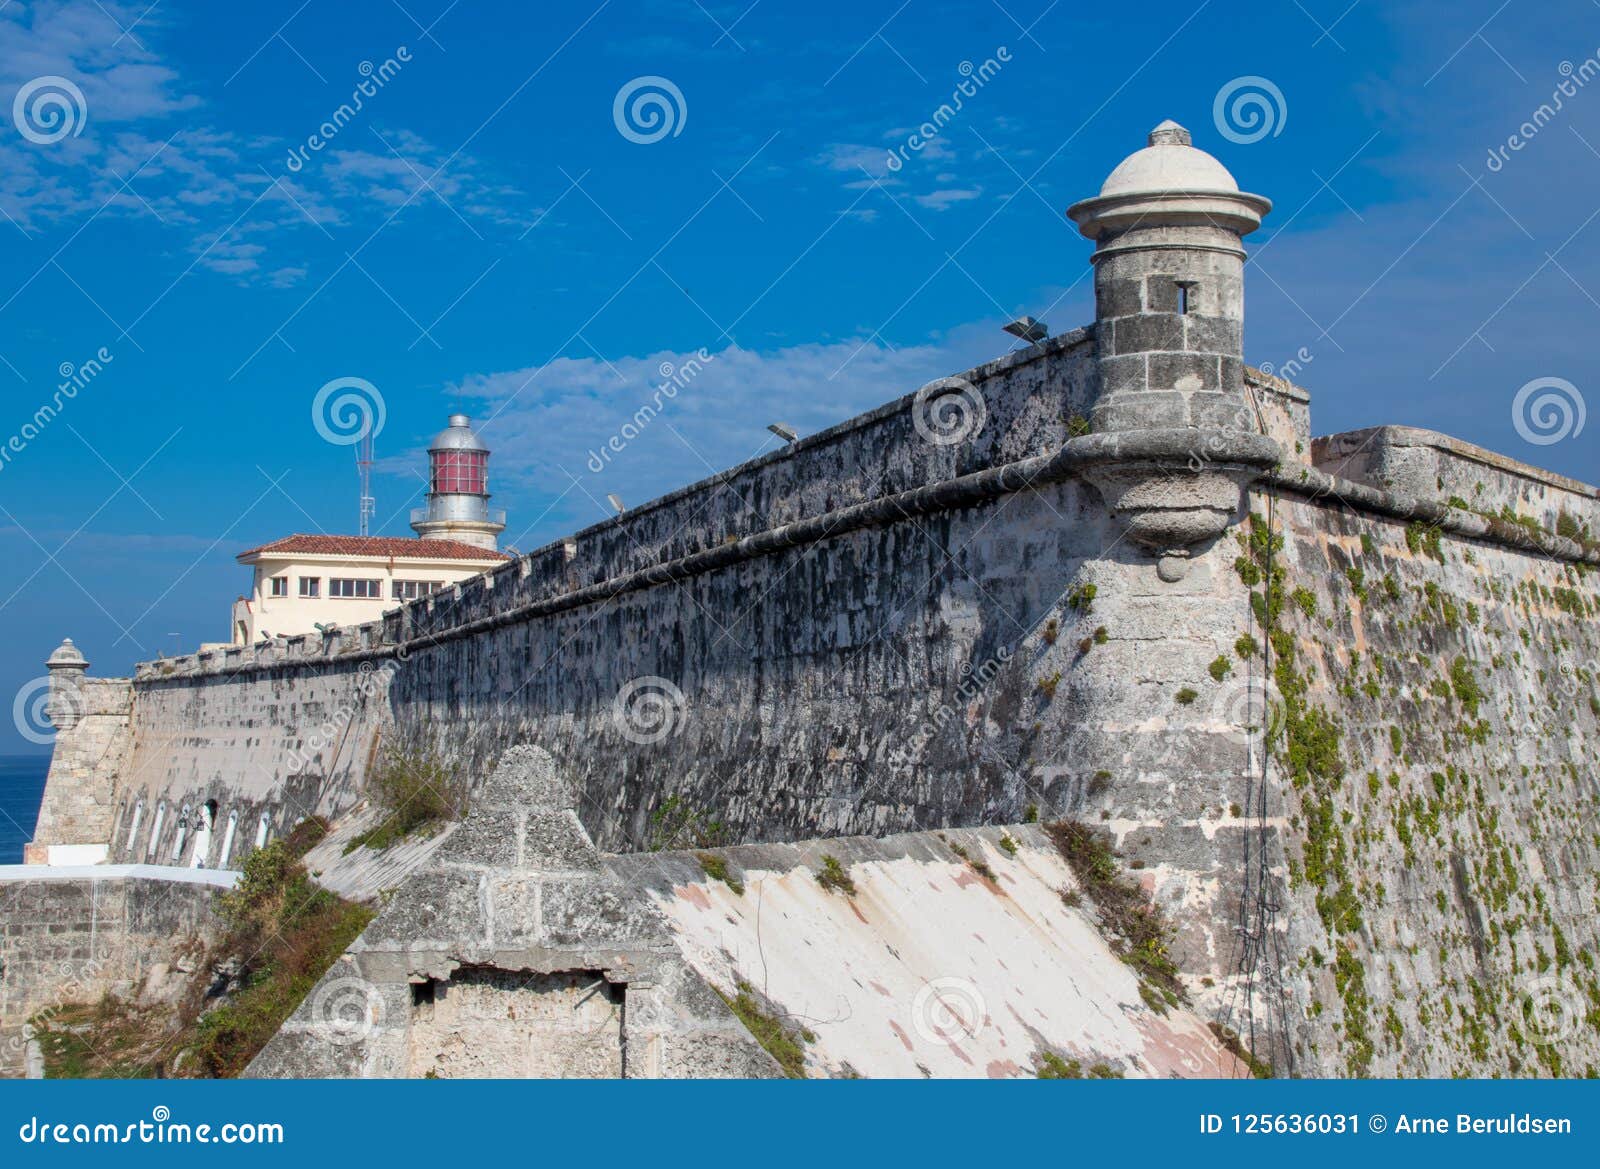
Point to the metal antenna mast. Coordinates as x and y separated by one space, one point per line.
364 471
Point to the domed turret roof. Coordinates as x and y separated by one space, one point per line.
1168 184
67 656
1169 163
458 436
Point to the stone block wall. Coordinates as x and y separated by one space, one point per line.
512 952
68 937
86 766
1444 877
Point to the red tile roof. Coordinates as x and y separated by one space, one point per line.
385 546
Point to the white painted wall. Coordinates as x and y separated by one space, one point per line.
261 613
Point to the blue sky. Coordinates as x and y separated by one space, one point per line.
482 236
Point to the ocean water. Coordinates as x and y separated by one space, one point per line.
21 787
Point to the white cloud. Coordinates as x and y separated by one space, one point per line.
133 158
852 158
121 79
550 426
943 200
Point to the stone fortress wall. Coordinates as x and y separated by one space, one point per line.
1335 699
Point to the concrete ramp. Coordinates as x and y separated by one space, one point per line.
930 968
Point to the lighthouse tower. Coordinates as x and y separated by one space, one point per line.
458 490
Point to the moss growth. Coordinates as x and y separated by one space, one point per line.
416 794
1008 843
1220 668
977 865
1423 539
834 878
716 868
1246 647
108 1040
678 824
783 1043
1048 684
1081 598
1051 1066
1350 978
1464 684
1229 1038
1186 696
1077 426
1136 929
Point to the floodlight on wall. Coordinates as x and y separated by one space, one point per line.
616 502
787 433
1027 329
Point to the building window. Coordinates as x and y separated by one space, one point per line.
359 589
310 586
410 590
278 586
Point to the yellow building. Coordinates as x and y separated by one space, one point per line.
302 582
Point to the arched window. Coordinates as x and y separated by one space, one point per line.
181 837
133 828
155 830
227 839
206 821
262 829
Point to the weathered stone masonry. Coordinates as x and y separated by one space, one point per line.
1373 820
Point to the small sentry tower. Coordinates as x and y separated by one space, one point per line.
458 490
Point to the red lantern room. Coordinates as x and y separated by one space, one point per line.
458 489
459 472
